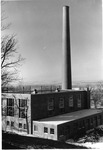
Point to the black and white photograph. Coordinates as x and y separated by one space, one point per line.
51 74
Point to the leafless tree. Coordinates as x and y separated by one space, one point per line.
9 56
97 93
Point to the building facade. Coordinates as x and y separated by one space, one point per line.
16 112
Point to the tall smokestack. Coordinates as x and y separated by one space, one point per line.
66 83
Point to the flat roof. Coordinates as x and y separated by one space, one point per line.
55 92
68 117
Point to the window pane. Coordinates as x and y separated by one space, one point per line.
10 111
79 101
51 104
10 102
7 123
20 125
25 126
45 130
51 131
12 124
22 103
22 113
71 101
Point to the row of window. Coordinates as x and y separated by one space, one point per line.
22 126
80 125
61 102
22 106
45 129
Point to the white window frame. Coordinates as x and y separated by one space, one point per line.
71 102
51 104
79 102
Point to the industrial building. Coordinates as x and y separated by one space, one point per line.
58 115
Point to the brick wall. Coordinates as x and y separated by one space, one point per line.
39 104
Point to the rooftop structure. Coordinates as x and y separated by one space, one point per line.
68 117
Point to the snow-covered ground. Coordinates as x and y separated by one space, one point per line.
92 140
91 145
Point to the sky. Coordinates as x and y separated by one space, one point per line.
38 28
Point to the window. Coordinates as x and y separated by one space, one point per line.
45 130
79 101
71 101
8 123
51 104
25 126
20 125
35 128
10 107
51 131
61 103
12 124
22 108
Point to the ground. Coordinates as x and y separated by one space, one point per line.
92 139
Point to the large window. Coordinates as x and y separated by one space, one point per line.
79 101
51 104
61 103
10 107
71 101
22 108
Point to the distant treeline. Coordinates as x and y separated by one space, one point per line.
30 89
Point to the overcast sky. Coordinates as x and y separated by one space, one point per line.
38 25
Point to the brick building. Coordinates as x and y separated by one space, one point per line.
49 115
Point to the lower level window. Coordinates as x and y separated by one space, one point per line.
7 123
25 126
51 131
12 124
45 130
20 125
35 128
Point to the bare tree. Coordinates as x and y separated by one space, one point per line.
9 57
97 94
